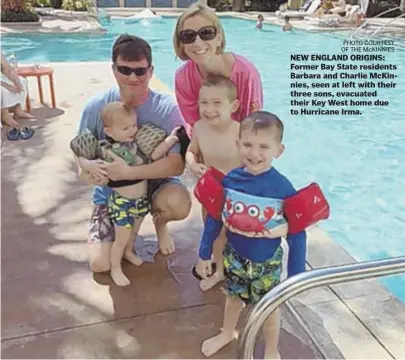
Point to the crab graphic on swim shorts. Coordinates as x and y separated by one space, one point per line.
246 218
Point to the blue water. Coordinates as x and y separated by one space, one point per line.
357 160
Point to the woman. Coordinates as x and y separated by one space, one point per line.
13 94
199 39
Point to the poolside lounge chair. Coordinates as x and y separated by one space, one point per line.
44 10
315 4
333 20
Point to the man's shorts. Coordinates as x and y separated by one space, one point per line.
248 280
123 211
102 227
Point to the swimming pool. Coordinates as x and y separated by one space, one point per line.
357 160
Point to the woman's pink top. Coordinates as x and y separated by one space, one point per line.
188 82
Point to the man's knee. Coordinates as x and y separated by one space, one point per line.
99 265
173 201
99 257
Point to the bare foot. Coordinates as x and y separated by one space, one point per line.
207 284
132 258
118 277
216 343
23 115
9 121
166 243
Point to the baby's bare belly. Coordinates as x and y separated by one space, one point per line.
133 191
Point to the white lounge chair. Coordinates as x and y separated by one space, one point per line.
315 4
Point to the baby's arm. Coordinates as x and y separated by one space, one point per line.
193 155
163 148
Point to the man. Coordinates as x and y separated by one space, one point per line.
132 68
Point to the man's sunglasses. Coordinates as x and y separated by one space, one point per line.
206 33
126 70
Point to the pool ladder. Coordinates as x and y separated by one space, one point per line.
306 281
382 26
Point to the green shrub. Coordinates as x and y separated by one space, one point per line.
76 5
42 3
18 16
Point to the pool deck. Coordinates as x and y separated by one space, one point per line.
61 21
64 311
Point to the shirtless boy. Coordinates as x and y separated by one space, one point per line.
213 143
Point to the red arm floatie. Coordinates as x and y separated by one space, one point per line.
210 193
305 208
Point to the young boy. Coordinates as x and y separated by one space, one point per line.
287 26
128 203
259 23
213 143
253 262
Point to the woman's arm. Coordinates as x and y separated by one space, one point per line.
186 100
10 73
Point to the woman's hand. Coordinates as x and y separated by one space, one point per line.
12 88
19 87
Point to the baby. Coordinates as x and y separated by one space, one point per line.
253 216
128 203
213 143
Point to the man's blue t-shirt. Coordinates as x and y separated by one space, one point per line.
269 184
159 109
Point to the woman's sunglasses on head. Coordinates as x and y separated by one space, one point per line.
127 70
206 33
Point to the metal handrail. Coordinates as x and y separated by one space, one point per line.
370 19
306 281
387 23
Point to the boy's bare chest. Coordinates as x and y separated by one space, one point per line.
220 151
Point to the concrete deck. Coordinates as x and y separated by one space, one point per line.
52 304
54 307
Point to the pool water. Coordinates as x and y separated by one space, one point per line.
355 159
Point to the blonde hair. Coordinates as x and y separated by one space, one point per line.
196 9
115 110
222 82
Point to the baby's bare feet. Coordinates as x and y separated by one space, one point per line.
118 277
132 258
216 343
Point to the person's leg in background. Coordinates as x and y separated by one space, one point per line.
19 112
7 119
171 201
